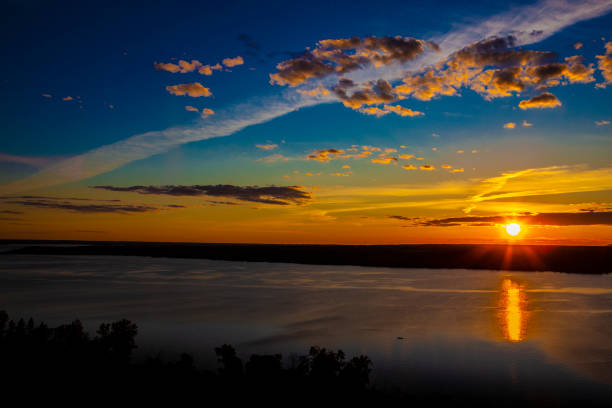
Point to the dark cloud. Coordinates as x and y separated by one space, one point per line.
494 68
546 100
280 195
11 212
339 56
252 48
559 219
376 92
35 197
84 208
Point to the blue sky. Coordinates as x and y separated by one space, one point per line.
80 77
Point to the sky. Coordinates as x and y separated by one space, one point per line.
343 123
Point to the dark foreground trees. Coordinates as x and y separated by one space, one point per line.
67 361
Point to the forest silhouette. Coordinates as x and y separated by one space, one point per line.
66 364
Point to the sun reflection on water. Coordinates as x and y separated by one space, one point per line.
512 311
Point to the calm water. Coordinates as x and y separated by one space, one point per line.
501 331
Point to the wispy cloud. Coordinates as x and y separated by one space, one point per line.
33 161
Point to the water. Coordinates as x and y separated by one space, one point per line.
500 331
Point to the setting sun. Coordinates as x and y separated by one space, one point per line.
513 229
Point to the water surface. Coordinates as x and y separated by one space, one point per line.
500 331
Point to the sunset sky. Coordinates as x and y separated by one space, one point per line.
273 122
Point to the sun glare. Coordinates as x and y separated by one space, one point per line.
513 229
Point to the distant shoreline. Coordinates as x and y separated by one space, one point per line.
569 259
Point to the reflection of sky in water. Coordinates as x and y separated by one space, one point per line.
513 330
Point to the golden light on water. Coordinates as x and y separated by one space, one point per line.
513 229
512 314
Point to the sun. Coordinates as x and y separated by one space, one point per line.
513 229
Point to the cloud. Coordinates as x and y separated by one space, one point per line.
509 125
397 109
400 110
232 62
462 151
371 93
208 69
279 195
457 170
11 212
558 219
341 56
494 69
546 100
529 24
605 66
67 98
33 161
409 167
46 95
405 156
270 146
84 208
193 89
446 166
185 67
384 159
207 112
427 167
578 46
191 109
273 158
325 155
527 124
602 122
541 181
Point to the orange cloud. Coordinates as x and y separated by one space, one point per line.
266 146
232 62
602 122
67 98
409 167
605 66
446 166
191 109
384 160
510 125
208 69
345 55
527 124
193 89
406 156
325 155
427 167
46 96
578 46
207 112
546 100
494 69
457 170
